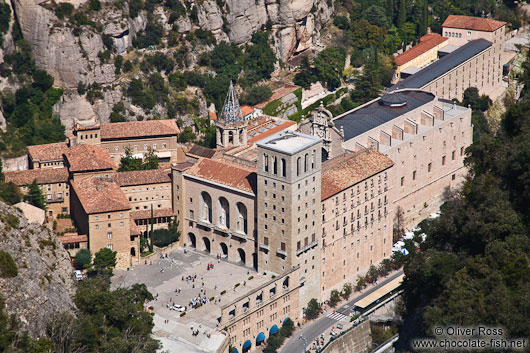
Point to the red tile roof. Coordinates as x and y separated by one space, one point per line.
272 131
43 176
142 177
226 173
135 129
347 170
212 115
88 157
135 230
157 212
98 195
68 239
427 42
48 152
473 23
246 110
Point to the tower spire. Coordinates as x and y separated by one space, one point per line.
231 112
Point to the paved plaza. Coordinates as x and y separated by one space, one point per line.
164 277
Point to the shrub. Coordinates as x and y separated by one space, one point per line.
83 258
64 9
251 277
223 292
334 298
312 310
182 314
164 237
94 5
287 328
12 220
8 267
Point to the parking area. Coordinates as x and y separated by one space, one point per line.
177 279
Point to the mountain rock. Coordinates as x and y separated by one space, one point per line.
44 284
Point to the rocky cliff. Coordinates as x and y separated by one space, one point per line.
43 284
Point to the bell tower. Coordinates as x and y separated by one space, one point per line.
230 127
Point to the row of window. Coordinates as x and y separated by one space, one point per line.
87 136
429 166
135 147
271 165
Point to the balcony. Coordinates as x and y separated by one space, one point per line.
205 224
281 252
307 247
265 247
55 200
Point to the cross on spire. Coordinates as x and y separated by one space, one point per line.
231 112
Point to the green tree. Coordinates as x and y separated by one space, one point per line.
8 266
105 260
10 193
329 65
94 5
129 162
274 343
35 196
347 289
334 298
287 328
186 135
376 15
390 11
361 283
256 94
42 80
402 14
83 258
150 159
313 309
305 75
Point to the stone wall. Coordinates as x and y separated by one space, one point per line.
17 163
356 340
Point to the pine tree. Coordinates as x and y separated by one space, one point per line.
34 196
390 11
402 14
422 26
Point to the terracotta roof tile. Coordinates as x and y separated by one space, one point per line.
142 177
43 176
347 170
48 152
98 195
135 230
473 23
272 131
157 212
88 157
68 239
246 110
201 151
226 173
213 115
134 129
427 42
182 166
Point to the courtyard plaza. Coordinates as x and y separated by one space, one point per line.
163 277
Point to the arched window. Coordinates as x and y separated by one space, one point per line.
242 224
224 213
206 207
275 165
306 162
284 168
266 162
313 160
298 165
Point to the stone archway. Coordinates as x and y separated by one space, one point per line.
224 249
242 256
207 245
192 240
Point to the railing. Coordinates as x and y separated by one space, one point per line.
281 252
306 247
265 247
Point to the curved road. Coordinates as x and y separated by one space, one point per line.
313 330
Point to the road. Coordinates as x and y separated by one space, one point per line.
313 330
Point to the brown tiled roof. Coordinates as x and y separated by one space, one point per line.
142 177
201 151
182 166
99 195
68 239
246 110
473 23
135 230
277 94
137 129
226 173
272 131
427 42
88 157
43 176
48 152
347 170
157 212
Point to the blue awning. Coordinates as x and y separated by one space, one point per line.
247 345
260 338
235 350
273 330
284 321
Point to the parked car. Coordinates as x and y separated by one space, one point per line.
78 275
178 308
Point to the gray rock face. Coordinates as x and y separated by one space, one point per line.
73 106
44 283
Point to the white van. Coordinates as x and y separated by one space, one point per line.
78 275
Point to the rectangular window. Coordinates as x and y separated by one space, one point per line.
443 160
298 245
109 235
49 196
282 246
265 240
461 151
109 246
429 167
402 181
453 155
414 175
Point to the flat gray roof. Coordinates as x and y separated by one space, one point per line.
289 142
445 64
375 113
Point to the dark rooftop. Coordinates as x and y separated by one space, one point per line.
376 113
200 151
445 64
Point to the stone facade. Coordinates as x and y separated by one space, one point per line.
262 311
289 219
427 146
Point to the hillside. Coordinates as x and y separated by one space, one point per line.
39 283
